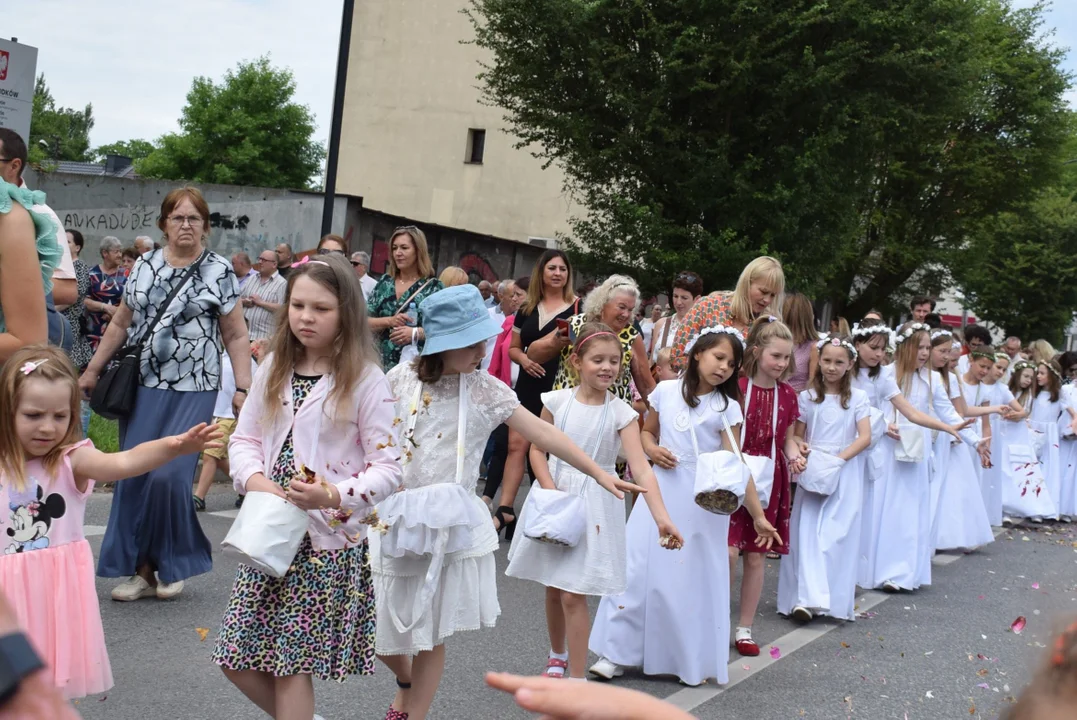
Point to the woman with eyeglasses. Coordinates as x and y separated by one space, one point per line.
687 289
760 291
107 280
393 305
153 538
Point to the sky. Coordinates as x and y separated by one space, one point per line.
135 59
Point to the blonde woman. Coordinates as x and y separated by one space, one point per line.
452 276
760 290
393 305
799 317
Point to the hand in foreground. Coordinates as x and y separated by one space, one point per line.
533 368
87 382
237 402
197 439
260 483
955 429
401 335
768 535
617 486
983 449
892 432
558 699
805 449
797 464
668 535
663 458
315 495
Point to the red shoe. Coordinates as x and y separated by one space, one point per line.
747 647
395 714
555 663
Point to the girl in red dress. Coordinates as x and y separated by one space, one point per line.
769 433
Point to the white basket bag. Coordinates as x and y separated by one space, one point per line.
721 476
555 516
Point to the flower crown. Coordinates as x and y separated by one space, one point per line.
836 342
1023 365
974 354
723 329
1049 367
909 332
941 332
861 332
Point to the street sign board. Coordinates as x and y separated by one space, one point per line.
18 68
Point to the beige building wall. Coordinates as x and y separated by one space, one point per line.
411 99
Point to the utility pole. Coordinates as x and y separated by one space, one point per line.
338 116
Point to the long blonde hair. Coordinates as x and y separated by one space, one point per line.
798 315
51 364
763 332
905 358
763 268
353 349
423 266
1041 351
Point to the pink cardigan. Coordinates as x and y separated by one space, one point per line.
359 454
500 364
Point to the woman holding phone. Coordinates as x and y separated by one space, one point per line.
539 334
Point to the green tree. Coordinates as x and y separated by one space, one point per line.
700 134
134 149
57 133
247 130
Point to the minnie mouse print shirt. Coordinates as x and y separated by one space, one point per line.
47 513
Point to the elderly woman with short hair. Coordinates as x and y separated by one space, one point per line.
612 303
153 537
107 280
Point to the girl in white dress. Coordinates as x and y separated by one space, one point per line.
1043 421
601 424
877 380
902 544
818 576
978 390
434 571
960 517
1067 427
1024 487
673 618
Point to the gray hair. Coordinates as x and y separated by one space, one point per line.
361 257
148 240
504 286
109 243
1011 339
614 285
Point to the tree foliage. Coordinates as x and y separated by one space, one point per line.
57 133
134 149
247 130
854 140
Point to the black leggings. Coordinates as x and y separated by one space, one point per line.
496 469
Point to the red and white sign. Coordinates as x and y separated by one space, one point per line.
18 67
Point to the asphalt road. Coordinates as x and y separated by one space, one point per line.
943 652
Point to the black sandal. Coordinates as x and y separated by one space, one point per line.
403 685
509 526
199 504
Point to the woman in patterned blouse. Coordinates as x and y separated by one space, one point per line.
153 535
393 305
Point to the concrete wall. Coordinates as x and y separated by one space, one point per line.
411 98
243 218
252 219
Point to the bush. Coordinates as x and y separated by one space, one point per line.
104 433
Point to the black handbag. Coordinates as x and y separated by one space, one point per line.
113 397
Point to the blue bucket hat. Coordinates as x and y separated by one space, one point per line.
456 318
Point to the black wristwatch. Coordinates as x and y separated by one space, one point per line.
242 390
17 662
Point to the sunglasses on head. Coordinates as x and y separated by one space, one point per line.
688 277
405 228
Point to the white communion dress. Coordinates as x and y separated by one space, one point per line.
820 571
1013 450
595 566
880 390
673 617
1067 451
1043 422
434 571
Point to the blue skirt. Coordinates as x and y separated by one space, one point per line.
153 517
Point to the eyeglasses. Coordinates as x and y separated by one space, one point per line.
269 260
356 263
6 159
327 251
181 220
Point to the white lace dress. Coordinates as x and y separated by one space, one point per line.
434 571
596 566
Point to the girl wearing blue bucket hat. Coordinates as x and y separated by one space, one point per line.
434 567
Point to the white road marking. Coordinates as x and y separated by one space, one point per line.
230 514
743 668
93 530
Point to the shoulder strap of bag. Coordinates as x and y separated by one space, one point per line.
725 428
601 425
404 305
187 275
665 330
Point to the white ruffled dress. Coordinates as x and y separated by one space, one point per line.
434 570
1067 453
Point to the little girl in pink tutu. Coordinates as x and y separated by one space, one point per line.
46 566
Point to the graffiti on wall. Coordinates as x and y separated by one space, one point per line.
477 268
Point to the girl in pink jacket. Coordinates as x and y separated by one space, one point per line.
320 408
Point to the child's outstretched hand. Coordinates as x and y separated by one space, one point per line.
617 486
955 429
561 700
768 535
197 439
668 535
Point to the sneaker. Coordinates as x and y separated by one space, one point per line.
167 591
133 588
1007 521
606 669
891 587
239 501
801 614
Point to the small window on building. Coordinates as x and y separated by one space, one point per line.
476 146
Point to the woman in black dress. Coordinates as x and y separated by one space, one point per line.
536 346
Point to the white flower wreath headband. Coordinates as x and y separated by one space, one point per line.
836 342
910 331
940 333
722 329
862 332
